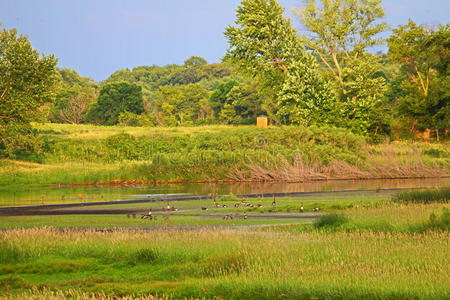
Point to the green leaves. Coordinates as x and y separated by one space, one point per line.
341 32
424 56
265 46
264 43
27 82
182 105
114 99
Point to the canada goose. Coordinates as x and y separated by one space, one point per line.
245 216
316 209
204 208
148 215
274 202
224 206
236 205
259 205
301 208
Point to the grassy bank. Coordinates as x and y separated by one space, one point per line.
95 154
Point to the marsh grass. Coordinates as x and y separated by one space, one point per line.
441 195
228 264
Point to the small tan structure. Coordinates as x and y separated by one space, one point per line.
261 122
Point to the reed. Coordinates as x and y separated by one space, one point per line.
226 264
424 196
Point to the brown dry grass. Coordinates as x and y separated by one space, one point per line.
45 294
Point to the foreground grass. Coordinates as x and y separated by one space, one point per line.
368 248
96 154
228 264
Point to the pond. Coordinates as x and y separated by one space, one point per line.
21 196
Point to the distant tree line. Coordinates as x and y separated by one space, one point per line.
327 76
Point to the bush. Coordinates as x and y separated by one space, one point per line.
440 222
330 221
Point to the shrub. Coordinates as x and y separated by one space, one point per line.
330 221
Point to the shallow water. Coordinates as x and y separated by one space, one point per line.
20 196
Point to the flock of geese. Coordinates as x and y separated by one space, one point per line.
244 203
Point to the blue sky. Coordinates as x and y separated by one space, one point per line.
99 37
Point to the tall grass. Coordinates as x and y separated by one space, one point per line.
441 195
228 264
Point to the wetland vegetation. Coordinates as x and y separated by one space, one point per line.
362 246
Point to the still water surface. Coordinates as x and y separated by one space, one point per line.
20 196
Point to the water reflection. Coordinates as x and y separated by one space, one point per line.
51 195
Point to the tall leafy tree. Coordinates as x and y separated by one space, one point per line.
424 56
341 31
265 46
27 82
115 98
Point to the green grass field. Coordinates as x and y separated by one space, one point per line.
364 246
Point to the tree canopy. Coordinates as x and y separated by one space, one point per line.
424 57
115 98
265 46
27 82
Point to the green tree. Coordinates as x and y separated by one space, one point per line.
219 96
27 82
424 57
115 98
341 31
242 105
182 105
265 46
195 61
306 104
73 97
